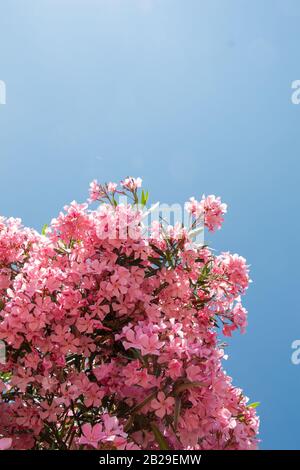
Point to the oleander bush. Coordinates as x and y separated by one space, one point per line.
112 337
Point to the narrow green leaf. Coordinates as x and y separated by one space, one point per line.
177 411
158 250
146 197
254 405
128 424
141 405
156 261
160 439
186 385
45 226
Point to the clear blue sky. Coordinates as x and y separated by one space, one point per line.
194 96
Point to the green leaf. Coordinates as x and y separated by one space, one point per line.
187 385
160 439
45 226
158 250
254 405
5 376
156 261
177 411
140 405
144 197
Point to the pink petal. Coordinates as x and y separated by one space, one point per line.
97 432
87 430
5 443
160 412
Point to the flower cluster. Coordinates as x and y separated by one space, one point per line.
210 208
111 342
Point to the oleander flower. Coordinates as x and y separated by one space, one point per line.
5 443
162 405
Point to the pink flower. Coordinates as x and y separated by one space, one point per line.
21 379
103 371
239 314
92 435
228 329
236 270
119 281
174 369
108 431
194 207
5 443
4 280
225 415
193 373
96 191
94 395
111 187
142 338
132 183
162 405
50 412
214 210
113 430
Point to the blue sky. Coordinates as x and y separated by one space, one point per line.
194 96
